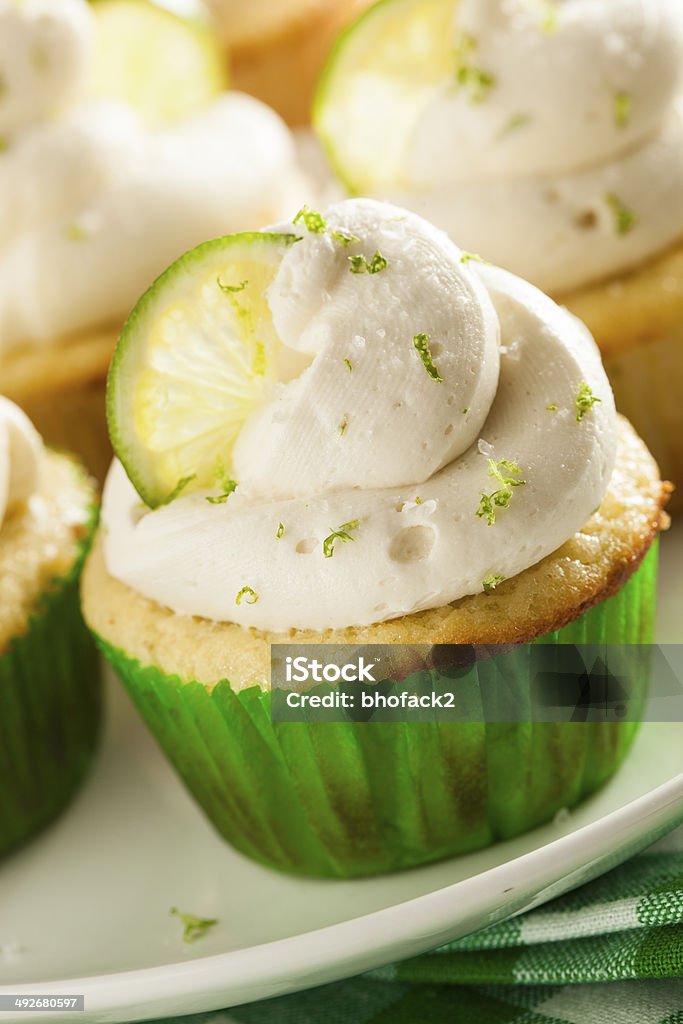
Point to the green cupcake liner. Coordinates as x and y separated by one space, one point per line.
50 710
342 799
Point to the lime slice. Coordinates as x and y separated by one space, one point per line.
163 59
381 72
197 355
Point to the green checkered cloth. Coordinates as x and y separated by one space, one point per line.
610 952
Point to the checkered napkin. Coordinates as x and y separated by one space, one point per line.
609 953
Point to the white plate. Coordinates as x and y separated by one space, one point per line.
85 908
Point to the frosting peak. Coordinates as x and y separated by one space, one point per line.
473 434
378 417
21 456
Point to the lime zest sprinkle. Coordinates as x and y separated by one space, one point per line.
418 499
344 237
178 489
231 289
491 582
421 344
623 102
343 425
280 532
194 927
465 411
585 400
342 533
248 595
349 367
475 80
507 473
229 487
74 232
313 221
514 123
316 224
551 408
624 218
360 265
472 257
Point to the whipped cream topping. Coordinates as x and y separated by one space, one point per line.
556 149
362 491
45 52
93 206
21 457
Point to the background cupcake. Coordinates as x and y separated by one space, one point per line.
392 473
49 675
97 197
276 51
549 138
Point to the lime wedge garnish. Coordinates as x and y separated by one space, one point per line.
197 355
382 71
165 63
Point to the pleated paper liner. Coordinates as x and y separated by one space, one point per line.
343 799
50 707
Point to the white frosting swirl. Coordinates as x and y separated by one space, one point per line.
571 120
45 50
93 206
21 457
407 465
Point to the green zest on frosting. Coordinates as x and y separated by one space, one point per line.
622 109
359 264
551 408
316 224
194 927
585 400
344 238
247 595
280 532
421 343
343 534
312 220
349 367
475 80
472 257
624 218
491 582
229 487
507 474
343 425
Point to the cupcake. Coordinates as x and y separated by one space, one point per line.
390 444
49 672
548 137
95 203
276 51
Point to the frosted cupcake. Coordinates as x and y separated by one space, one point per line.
276 51
379 441
49 674
94 204
549 138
